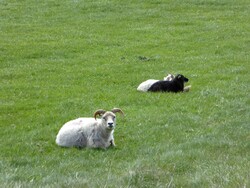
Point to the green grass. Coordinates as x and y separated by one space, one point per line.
60 60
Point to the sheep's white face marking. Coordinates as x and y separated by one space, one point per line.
109 120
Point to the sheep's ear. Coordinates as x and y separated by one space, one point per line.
99 112
115 110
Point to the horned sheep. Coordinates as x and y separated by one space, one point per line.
89 132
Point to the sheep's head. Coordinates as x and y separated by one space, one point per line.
108 117
169 77
181 78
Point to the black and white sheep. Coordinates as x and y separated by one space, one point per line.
89 132
175 85
144 86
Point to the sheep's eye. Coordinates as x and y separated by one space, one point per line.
104 118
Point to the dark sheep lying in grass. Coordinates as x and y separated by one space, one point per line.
176 85
144 86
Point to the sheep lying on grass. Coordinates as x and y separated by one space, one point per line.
89 132
144 86
176 85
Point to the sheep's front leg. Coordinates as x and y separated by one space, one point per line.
112 143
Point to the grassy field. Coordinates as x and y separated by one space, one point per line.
60 60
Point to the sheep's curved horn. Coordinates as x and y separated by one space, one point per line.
114 110
99 112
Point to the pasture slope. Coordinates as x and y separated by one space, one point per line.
60 60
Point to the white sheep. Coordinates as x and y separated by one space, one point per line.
89 132
144 86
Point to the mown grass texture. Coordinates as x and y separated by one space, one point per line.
60 60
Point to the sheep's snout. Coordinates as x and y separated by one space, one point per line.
111 125
182 78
